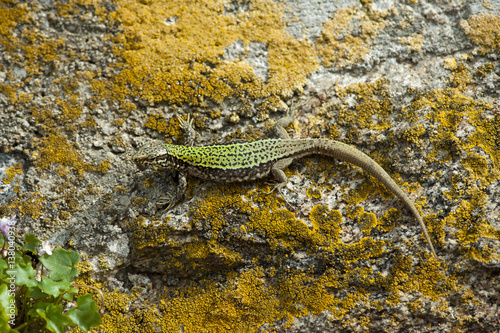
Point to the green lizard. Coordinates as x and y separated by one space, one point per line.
236 162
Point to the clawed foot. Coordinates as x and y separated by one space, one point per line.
165 201
187 126
278 187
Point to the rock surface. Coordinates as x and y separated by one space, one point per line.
414 84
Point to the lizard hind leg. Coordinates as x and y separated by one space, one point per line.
280 177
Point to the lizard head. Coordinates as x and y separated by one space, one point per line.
156 153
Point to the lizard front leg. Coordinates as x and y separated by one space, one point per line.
187 126
170 202
284 122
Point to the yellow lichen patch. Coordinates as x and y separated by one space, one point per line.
10 92
281 228
471 224
56 149
435 227
478 167
40 51
450 63
173 51
300 293
28 49
213 309
290 62
460 77
157 123
367 221
12 14
27 204
148 234
214 209
120 189
429 278
389 220
487 136
366 248
338 46
326 222
373 105
117 313
253 297
484 30
103 166
148 182
71 109
360 193
449 108
313 192
12 172
413 134
199 257
413 43
356 196
450 112
484 70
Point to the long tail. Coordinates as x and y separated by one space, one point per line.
350 154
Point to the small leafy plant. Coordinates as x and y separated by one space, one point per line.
35 296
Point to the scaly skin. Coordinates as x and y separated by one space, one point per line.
236 162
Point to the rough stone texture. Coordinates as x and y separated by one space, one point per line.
414 84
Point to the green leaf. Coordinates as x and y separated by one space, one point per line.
31 242
55 320
61 264
4 320
69 296
3 264
3 271
36 293
7 301
4 297
49 286
25 273
86 314
5 306
38 306
5 327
